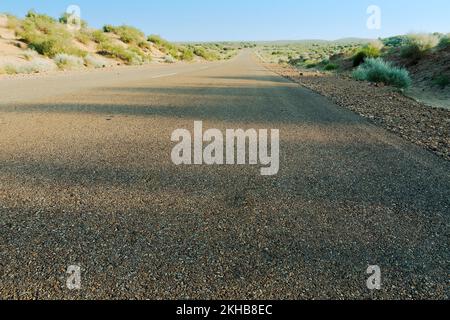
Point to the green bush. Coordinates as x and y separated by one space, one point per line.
83 37
366 52
187 54
206 54
64 19
108 28
445 41
48 37
131 56
378 70
165 46
331 66
417 45
99 37
442 81
129 34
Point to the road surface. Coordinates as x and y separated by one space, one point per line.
86 179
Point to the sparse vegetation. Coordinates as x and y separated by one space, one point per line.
67 62
45 35
206 54
379 71
165 46
442 81
445 41
46 39
33 66
331 66
371 50
94 61
131 55
13 22
30 54
417 45
126 34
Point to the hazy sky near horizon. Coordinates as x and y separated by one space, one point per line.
203 20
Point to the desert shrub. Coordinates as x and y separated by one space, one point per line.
98 36
13 22
108 28
169 59
157 40
187 54
94 61
165 46
34 66
129 34
378 70
64 19
331 66
445 41
46 36
417 45
29 54
371 50
442 81
206 54
66 61
396 41
83 36
131 56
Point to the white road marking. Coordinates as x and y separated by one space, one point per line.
165 75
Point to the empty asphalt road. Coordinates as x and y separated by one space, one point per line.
86 179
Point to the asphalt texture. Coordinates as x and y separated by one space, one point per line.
86 179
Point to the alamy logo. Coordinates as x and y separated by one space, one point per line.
73 13
374 281
229 149
374 20
74 279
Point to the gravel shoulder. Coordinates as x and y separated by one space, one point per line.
416 122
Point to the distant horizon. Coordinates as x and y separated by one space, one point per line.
253 20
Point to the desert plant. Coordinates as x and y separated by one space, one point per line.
417 45
131 56
205 54
29 54
108 28
13 22
165 46
331 66
83 36
46 36
442 81
93 61
129 34
378 70
371 50
33 66
65 19
98 36
187 54
445 41
169 59
66 61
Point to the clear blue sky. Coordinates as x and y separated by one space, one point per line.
212 20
